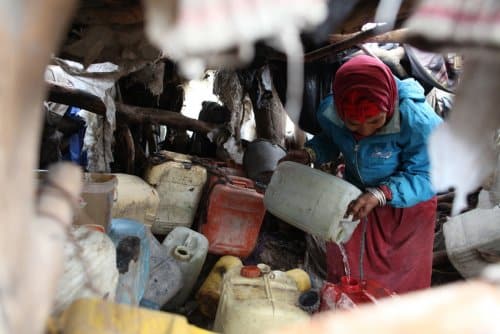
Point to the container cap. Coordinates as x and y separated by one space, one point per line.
181 253
309 301
250 271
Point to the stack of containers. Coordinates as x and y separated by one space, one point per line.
179 184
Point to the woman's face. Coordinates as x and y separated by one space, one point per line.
369 126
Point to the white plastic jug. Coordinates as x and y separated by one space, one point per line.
132 259
255 299
179 184
311 200
469 235
135 199
89 255
189 250
165 276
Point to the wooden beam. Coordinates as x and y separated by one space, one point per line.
396 36
364 12
105 15
134 114
77 98
332 49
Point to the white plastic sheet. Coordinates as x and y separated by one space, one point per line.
463 150
199 33
99 80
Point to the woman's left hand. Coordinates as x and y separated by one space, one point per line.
362 206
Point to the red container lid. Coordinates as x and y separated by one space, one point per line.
358 292
250 271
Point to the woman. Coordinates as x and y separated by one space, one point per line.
381 125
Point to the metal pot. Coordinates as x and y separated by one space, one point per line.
261 159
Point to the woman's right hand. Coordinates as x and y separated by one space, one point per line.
300 156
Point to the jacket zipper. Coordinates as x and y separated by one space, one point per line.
356 149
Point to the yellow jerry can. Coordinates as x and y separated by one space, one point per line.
96 316
209 293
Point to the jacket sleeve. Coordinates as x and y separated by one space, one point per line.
411 184
325 150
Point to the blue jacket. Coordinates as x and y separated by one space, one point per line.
396 155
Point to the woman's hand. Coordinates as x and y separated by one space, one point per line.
300 156
362 206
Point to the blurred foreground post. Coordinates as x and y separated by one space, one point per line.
30 247
460 308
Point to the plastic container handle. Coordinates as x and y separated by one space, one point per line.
240 183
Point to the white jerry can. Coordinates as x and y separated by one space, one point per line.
180 185
471 238
311 200
89 268
188 249
135 199
255 299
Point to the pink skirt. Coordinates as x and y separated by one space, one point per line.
397 250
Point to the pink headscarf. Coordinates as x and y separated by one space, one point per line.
363 87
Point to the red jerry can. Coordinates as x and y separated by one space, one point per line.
350 293
233 218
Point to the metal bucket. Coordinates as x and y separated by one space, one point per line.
261 159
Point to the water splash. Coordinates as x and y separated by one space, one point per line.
347 268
